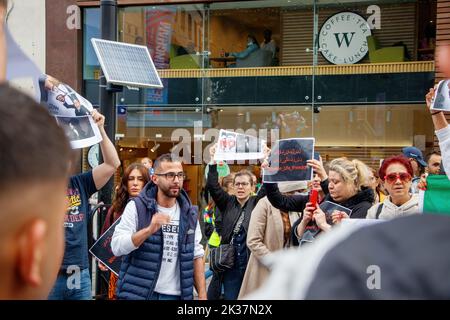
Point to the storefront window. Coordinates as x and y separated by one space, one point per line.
172 33
351 74
91 66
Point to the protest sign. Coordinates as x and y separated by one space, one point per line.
441 100
71 110
237 146
102 251
288 161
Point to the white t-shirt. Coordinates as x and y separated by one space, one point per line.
168 281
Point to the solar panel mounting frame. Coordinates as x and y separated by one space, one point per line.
120 82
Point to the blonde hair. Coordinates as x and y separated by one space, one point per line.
227 180
354 172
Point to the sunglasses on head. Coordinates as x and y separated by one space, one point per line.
392 177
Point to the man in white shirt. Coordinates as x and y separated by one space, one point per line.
159 236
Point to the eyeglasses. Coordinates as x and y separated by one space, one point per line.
392 177
172 175
238 184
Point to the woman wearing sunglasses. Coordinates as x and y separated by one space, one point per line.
396 173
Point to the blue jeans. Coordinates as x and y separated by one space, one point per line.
232 281
160 296
67 288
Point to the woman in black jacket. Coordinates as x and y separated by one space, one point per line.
346 185
235 213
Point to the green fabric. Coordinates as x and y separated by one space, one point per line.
173 51
437 196
214 240
386 54
185 61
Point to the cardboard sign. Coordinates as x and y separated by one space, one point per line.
102 251
288 161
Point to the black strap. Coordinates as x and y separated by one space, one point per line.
379 209
237 226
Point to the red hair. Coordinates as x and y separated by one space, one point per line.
400 159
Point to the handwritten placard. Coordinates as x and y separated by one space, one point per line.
288 161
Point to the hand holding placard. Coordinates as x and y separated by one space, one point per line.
318 168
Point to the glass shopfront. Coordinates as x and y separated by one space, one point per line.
351 74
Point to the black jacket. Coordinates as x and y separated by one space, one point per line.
229 206
359 203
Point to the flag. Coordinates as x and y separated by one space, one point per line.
436 198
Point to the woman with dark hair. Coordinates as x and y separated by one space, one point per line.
376 184
134 178
396 173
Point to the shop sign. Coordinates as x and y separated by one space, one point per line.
343 38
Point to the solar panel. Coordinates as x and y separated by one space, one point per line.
126 64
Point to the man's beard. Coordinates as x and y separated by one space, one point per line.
168 193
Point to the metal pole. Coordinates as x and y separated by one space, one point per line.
106 98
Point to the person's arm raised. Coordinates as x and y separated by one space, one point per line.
442 131
220 197
439 120
111 161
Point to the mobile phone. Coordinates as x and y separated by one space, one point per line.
313 196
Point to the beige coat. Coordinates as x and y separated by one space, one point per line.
265 235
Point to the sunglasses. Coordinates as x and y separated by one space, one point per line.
392 177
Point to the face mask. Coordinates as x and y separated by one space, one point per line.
249 43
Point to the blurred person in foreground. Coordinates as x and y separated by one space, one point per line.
34 169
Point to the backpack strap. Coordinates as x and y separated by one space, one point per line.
379 209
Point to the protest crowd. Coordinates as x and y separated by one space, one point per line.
169 249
